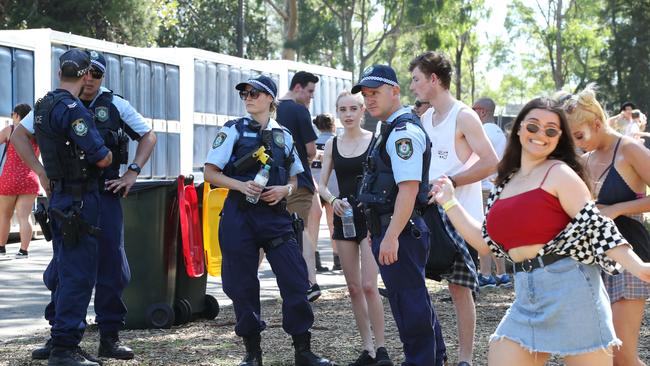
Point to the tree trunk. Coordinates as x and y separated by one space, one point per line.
290 30
557 74
240 29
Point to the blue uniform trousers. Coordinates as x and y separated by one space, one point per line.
409 298
72 272
241 233
113 273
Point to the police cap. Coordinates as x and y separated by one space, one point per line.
262 83
375 76
97 60
74 63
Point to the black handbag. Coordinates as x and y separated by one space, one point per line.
636 234
443 251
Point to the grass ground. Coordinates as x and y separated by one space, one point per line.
335 335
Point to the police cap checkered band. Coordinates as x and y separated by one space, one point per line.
262 83
74 63
375 76
97 60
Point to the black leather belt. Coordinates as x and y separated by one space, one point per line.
531 264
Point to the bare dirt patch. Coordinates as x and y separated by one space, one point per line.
334 335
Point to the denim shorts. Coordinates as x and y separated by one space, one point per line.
562 309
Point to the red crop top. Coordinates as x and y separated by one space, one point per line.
531 217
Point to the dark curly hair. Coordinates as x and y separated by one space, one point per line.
564 151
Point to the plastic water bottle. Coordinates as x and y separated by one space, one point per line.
261 178
348 221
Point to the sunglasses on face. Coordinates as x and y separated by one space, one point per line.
253 93
419 104
534 128
96 74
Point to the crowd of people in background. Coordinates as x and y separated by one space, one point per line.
553 207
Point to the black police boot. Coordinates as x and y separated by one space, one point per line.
304 356
69 356
253 351
43 353
111 347
319 264
337 263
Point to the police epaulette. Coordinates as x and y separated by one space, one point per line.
231 122
286 130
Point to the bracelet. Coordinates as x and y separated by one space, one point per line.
449 204
331 201
453 182
290 188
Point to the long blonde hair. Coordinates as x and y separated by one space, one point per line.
345 93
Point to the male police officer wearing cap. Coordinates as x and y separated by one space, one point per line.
393 192
245 227
115 119
73 153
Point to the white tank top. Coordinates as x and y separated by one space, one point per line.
444 160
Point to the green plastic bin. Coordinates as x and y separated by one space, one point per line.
150 241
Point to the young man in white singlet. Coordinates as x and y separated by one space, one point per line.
460 150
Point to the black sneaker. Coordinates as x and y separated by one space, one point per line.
313 293
22 254
381 358
383 292
364 359
3 250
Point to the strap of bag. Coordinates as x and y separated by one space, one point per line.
4 153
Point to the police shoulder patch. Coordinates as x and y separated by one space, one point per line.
219 139
101 113
404 148
80 127
278 137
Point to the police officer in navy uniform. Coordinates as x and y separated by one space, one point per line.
73 153
244 227
117 121
393 193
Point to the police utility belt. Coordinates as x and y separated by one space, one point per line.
77 189
376 222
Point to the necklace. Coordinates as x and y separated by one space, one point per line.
354 150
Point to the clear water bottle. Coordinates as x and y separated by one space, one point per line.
261 178
348 221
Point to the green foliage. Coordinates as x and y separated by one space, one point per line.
212 24
625 71
122 21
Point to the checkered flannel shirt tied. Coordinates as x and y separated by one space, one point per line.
463 271
586 238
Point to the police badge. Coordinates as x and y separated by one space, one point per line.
79 127
367 71
101 113
218 140
404 148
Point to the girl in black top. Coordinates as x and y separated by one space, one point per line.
345 154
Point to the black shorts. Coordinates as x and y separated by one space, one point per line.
360 226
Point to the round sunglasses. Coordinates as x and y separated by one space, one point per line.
534 128
253 93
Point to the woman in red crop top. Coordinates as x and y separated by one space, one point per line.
541 217
619 171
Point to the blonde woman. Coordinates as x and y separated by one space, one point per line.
345 154
618 168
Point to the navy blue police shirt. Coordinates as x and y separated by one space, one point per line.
71 119
297 119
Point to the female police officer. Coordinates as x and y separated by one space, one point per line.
232 163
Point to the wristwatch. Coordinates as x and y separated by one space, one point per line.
135 167
290 189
